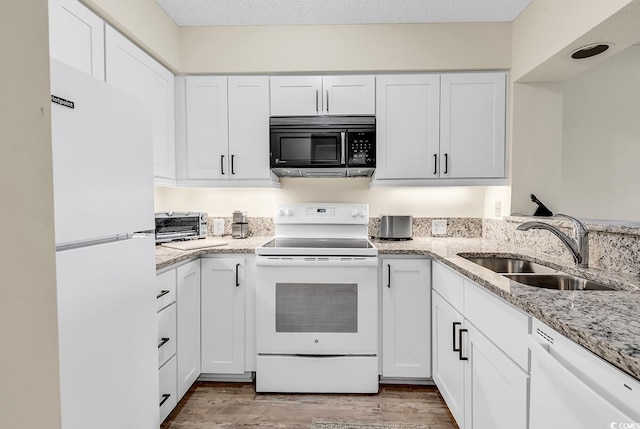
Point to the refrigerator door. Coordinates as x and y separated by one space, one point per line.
107 325
102 159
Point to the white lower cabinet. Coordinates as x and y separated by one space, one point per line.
448 368
188 325
178 297
223 290
495 387
484 383
168 392
406 325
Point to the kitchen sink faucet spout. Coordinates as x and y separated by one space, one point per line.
579 247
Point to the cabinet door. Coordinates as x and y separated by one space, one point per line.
188 322
448 368
76 36
249 127
472 125
222 315
132 70
296 95
406 326
349 95
407 138
496 388
207 131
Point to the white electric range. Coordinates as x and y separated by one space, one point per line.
317 301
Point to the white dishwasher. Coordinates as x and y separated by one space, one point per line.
572 387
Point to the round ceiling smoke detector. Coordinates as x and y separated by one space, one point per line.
590 50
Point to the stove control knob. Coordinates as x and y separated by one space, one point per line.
285 212
357 213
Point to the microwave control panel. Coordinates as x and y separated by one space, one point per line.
361 151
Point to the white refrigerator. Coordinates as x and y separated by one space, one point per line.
103 199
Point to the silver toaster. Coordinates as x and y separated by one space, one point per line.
396 227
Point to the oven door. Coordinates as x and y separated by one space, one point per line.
317 305
308 148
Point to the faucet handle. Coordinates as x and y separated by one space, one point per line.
579 227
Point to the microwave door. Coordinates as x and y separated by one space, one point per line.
308 149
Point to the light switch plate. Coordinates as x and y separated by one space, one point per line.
439 227
218 227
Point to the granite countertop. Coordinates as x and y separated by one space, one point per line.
604 322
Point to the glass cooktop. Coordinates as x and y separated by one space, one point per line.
319 243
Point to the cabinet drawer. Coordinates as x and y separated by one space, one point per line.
166 334
449 285
166 288
167 397
504 325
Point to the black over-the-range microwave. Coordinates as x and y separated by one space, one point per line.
323 146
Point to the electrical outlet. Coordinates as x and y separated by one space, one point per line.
497 211
218 227
439 227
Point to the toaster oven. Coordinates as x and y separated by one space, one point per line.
173 226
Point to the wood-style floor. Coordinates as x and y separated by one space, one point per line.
237 405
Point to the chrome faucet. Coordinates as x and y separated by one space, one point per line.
579 247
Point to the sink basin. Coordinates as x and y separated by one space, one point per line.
557 281
510 265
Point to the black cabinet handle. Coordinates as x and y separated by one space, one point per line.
221 164
455 349
435 163
162 293
232 167
163 342
389 275
446 163
460 351
237 278
165 396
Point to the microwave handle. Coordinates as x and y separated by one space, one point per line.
343 144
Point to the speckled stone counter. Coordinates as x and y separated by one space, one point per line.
166 257
606 323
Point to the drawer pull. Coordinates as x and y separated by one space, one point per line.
163 342
165 396
162 293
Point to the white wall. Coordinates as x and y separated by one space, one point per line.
29 376
601 140
427 202
318 48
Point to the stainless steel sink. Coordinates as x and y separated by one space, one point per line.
558 281
510 265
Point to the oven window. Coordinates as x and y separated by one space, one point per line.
317 307
177 224
315 148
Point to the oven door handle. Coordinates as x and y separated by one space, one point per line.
277 261
343 146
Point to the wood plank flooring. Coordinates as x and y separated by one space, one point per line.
237 405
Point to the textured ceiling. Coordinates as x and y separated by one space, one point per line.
295 12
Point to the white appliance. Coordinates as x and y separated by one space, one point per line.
317 302
103 195
571 387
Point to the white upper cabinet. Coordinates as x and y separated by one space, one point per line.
407 135
207 134
322 95
76 36
132 70
223 130
472 125
249 127
441 126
